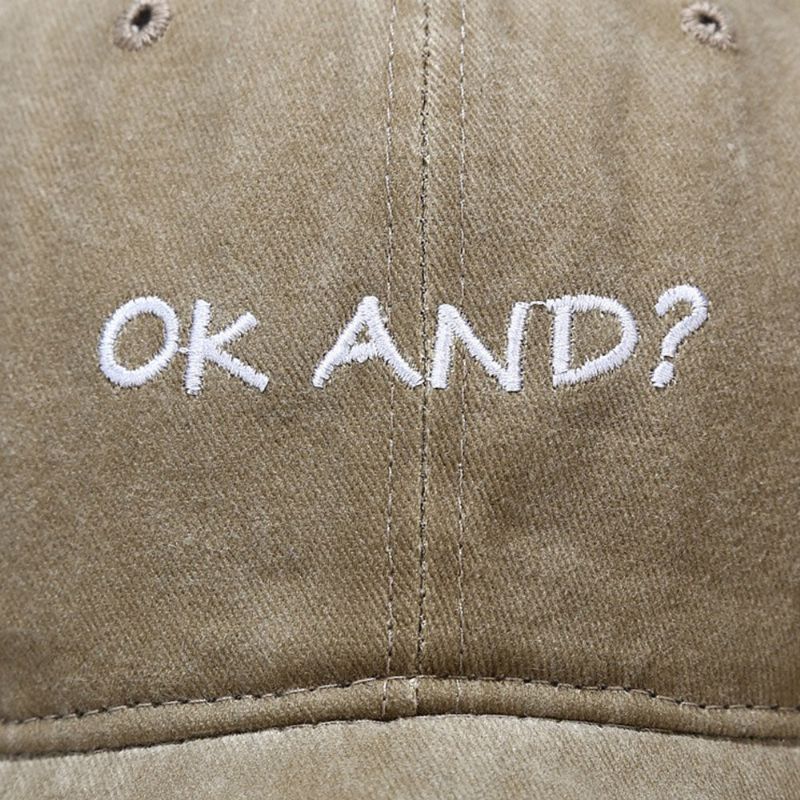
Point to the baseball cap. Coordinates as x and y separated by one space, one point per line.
399 399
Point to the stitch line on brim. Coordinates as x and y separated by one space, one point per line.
782 740
381 678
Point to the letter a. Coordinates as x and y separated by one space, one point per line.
348 350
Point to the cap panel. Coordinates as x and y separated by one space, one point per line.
611 532
157 545
184 566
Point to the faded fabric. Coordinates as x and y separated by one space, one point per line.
443 757
178 566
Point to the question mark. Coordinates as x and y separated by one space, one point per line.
665 371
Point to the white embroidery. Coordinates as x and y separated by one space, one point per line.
451 324
665 371
366 337
380 345
564 308
203 347
111 368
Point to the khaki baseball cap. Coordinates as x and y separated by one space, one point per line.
399 399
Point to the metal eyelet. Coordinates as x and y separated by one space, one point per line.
708 24
141 24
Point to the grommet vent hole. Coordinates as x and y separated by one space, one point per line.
141 24
709 24
142 17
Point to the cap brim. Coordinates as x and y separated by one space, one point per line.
438 757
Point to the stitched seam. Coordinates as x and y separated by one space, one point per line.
389 271
790 742
462 261
514 680
423 263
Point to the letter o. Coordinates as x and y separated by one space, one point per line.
111 368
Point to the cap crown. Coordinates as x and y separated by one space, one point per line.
616 547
